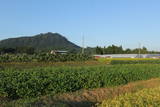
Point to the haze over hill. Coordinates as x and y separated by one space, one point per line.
43 41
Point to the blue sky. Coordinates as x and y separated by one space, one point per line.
102 22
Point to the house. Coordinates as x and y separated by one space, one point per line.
55 52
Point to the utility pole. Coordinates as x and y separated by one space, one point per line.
139 50
83 45
104 50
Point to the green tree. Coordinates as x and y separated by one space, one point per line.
99 50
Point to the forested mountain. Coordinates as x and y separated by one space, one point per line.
43 41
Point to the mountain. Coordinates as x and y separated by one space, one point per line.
43 41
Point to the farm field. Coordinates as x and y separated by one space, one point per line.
129 60
142 98
34 83
79 53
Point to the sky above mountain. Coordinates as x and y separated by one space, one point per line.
101 22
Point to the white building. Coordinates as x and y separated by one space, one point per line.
55 52
128 56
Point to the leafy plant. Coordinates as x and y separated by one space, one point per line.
28 83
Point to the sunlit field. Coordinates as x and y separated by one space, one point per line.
23 80
79 53
142 98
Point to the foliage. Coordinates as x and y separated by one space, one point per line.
143 98
136 61
113 49
113 61
41 81
44 57
27 50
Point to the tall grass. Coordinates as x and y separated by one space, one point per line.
143 98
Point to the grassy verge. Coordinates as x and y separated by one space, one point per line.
143 98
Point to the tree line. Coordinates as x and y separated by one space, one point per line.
113 49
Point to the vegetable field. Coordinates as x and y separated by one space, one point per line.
43 57
113 61
36 82
149 61
25 77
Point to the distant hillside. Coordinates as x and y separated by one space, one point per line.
46 41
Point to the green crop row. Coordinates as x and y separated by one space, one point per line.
41 81
143 98
43 57
151 61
